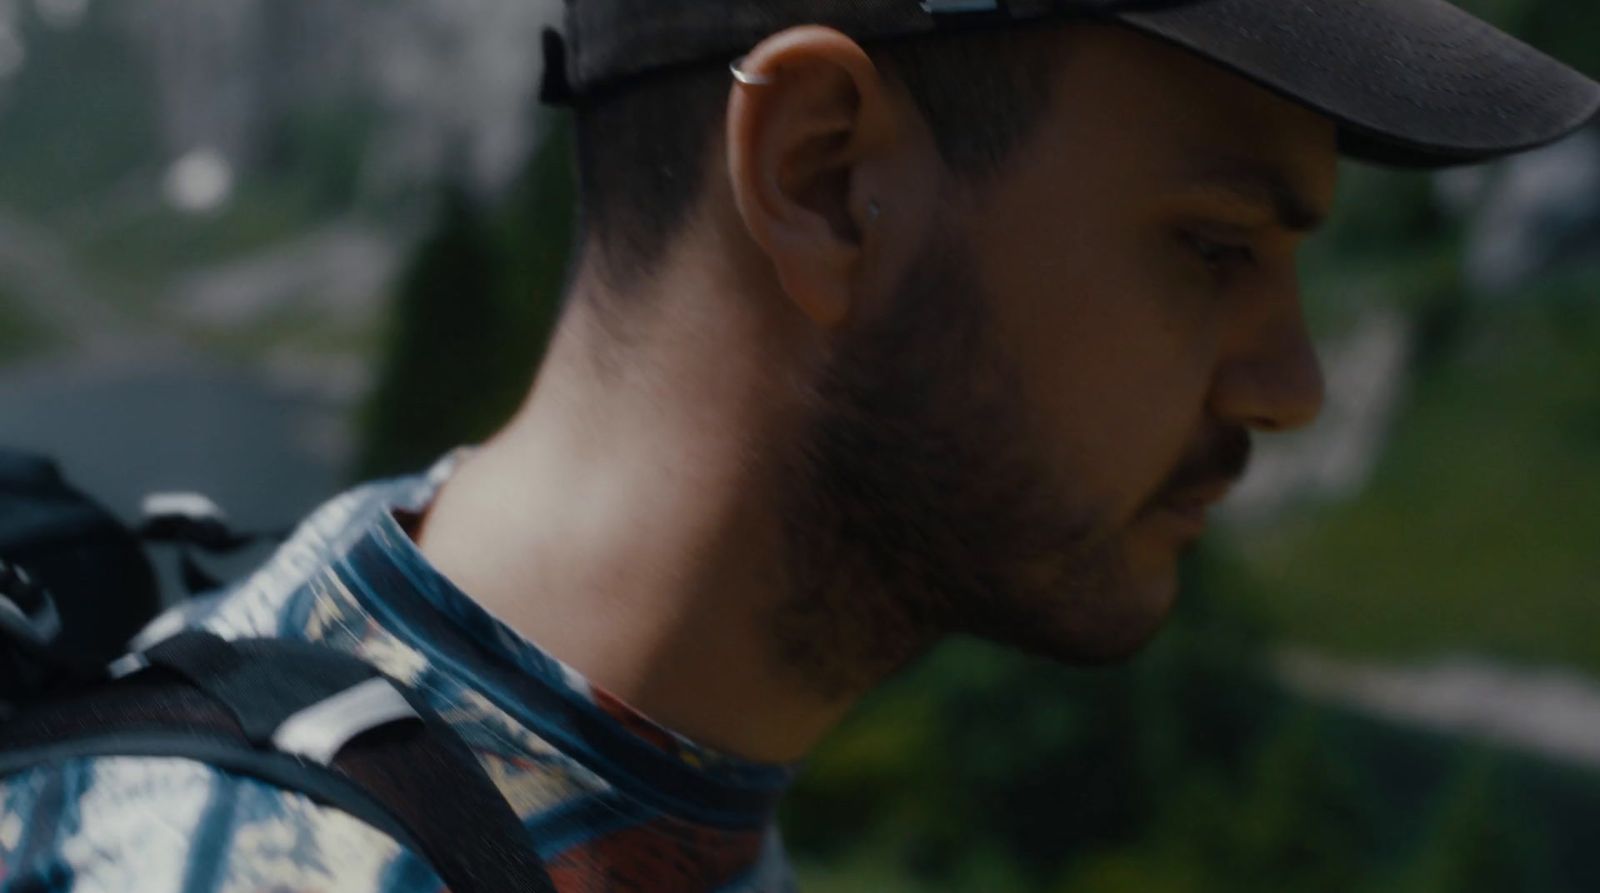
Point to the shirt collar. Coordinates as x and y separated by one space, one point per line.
395 582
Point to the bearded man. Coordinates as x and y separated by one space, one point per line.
918 320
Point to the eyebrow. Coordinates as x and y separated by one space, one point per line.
1261 184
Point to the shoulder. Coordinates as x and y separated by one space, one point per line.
273 599
140 825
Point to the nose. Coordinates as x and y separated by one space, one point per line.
1271 380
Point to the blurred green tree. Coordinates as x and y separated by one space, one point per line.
473 312
1481 841
443 349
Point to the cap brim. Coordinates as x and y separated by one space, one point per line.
1415 83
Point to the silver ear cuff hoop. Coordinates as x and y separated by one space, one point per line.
746 78
874 211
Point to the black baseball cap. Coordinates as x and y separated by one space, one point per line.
1413 83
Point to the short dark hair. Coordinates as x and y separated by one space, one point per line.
642 150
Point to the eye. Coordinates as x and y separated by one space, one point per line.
1220 255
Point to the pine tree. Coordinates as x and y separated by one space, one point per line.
441 348
472 316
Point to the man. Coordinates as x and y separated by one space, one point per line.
923 319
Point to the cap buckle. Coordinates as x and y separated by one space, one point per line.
958 7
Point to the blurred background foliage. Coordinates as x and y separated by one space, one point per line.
1380 678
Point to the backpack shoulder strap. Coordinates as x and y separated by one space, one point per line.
304 718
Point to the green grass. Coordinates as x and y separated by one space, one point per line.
139 254
1481 529
303 329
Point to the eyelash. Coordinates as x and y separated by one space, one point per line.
1220 256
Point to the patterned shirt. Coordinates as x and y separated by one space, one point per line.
612 801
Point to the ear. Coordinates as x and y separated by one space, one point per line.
800 146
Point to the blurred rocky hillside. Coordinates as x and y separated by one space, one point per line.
203 205
213 165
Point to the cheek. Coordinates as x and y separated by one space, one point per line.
1115 352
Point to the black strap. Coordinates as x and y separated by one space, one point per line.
262 682
220 702
317 783
465 828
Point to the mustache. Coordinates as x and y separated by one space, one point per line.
1221 457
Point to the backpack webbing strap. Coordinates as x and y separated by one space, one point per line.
229 704
465 828
265 683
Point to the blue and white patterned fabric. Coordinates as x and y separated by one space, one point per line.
612 801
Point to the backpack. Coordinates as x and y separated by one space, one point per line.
75 585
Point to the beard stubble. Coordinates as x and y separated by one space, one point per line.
916 504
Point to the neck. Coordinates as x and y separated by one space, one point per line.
622 522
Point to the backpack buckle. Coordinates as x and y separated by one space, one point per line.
27 611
